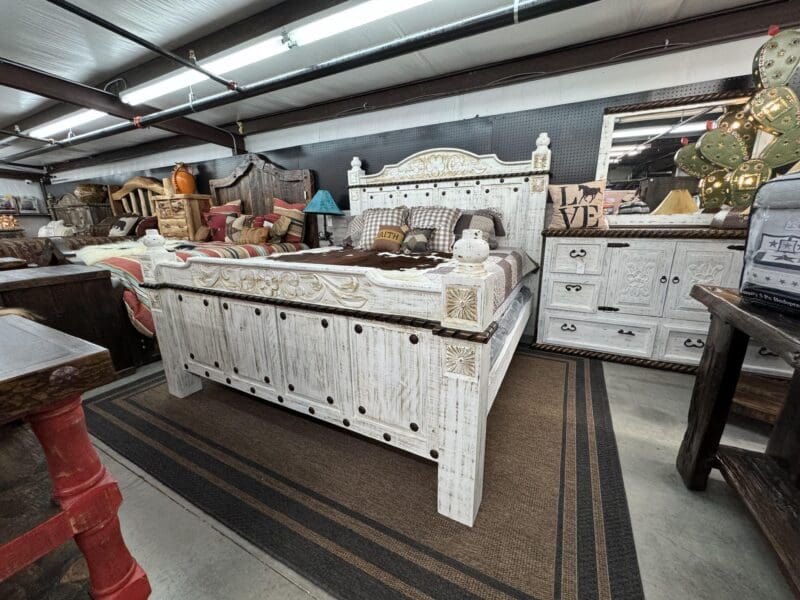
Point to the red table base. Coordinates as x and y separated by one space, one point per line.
89 499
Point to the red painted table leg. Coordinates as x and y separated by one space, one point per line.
91 497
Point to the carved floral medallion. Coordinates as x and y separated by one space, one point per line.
460 360
461 303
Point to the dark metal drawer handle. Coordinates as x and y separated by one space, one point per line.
566 327
608 308
737 247
577 253
764 351
696 344
663 279
573 287
618 245
623 332
676 279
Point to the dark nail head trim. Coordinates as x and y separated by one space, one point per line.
434 454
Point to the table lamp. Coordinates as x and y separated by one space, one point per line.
323 204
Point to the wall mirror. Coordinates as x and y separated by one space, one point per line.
636 158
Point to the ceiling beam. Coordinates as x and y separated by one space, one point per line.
696 32
269 19
177 142
12 174
28 79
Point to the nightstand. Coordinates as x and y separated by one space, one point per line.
181 215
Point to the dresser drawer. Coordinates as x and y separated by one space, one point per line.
577 256
173 228
681 342
573 293
760 360
630 337
170 209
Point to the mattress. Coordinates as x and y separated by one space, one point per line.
507 267
505 323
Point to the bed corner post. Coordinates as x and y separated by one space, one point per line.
463 401
180 382
354 176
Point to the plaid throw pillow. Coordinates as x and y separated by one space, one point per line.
442 220
354 230
374 219
233 229
297 216
417 241
473 221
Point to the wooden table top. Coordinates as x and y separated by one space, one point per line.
40 366
43 276
778 332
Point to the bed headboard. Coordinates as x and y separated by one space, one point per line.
460 179
257 181
136 196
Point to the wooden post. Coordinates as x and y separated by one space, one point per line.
784 442
712 397
91 498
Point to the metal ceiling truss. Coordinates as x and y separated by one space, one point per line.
44 84
508 15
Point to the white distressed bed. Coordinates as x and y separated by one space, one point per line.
406 360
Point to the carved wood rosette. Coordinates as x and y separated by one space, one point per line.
460 360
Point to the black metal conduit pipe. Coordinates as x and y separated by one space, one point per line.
93 18
25 136
501 17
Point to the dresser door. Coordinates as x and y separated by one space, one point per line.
700 263
638 275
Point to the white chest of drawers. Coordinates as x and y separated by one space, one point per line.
628 295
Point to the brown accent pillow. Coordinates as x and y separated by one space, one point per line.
578 205
254 235
279 228
202 234
390 238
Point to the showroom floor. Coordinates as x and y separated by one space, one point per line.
690 545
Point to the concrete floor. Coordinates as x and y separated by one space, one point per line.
690 545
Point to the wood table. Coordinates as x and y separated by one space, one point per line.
43 373
768 482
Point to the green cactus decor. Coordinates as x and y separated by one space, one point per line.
730 164
777 59
777 110
690 161
744 180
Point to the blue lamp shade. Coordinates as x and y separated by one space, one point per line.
322 204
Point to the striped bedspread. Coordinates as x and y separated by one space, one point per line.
128 270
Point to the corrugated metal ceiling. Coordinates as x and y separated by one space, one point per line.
42 36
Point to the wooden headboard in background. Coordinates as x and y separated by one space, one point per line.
257 181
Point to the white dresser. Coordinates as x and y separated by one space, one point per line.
626 293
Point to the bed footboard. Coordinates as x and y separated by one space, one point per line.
418 385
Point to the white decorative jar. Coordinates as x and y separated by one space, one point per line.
471 251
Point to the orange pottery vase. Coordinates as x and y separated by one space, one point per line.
182 180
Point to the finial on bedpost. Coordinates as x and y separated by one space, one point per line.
471 251
541 156
355 173
156 253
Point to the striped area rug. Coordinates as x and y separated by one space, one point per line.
359 518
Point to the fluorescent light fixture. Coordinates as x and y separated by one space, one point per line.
344 20
186 77
646 132
74 120
350 18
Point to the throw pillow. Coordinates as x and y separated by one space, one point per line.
202 234
124 226
390 238
298 218
144 224
234 229
417 241
218 224
374 219
354 230
254 235
474 221
277 226
578 205
228 207
442 220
